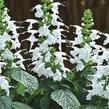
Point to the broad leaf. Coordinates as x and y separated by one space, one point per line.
92 107
29 81
18 105
20 89
44 102
66 99
5 102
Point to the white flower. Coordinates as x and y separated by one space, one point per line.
36 53
31 21
49 73
95 35
107 39
32 37
75 51
97 90
78 29
55 21
57 33
6 37
20 59
48 56
85 53
60 57
2 45
13 27
44 31
7 54
15 43
51 39
39 10
80 66
55 7
4 84
40 69
57 76
44 47
78 39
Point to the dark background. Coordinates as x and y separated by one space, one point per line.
71 13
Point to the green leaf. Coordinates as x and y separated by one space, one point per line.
29 81
92 107
20 89
18 105
44 102
66 99
5 102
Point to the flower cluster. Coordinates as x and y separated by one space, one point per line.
47 60
8 43
87 54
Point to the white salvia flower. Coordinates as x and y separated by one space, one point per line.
14 65
4 84
40 69
36 54
39 12
6 37
95 35
51 39
80 66
57 76
60 58
54 21
7 54
7 17
44 31
107 39
55 7
49 73
44 47
78 29
13 27
97 90
92 44
15 43
57 33
48 56
75 51
106 54
32 37
78 39
72 61
85 53
20 63
31 21
2 45
18 55
21 59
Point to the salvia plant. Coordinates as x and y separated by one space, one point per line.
47 82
